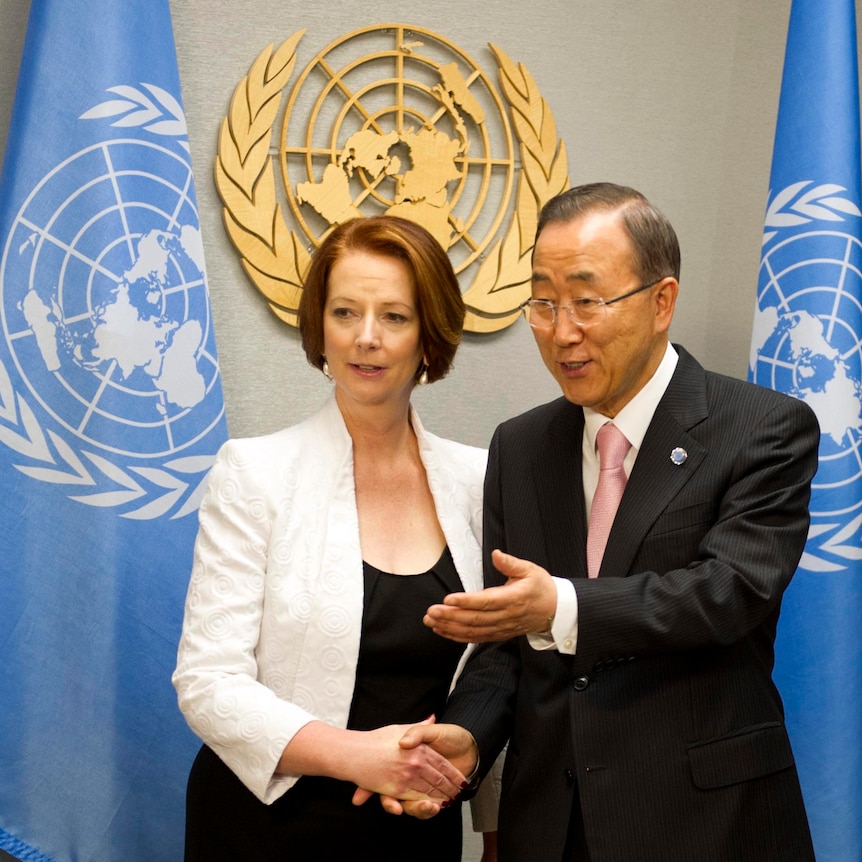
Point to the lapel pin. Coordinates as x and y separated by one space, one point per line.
678 456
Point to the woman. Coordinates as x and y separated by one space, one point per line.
303 654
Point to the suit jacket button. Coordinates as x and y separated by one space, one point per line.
580 683
569 776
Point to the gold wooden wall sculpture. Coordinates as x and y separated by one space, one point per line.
411 127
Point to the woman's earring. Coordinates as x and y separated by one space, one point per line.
325 369
423 377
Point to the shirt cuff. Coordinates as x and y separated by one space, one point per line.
563 635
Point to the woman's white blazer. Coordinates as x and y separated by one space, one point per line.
270 637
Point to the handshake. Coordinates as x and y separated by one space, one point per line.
432 761
432 765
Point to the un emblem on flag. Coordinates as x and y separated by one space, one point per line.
807 342
107 329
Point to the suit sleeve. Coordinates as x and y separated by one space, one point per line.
484 697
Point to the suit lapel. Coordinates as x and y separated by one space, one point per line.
656 479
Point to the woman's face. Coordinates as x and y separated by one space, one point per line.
371 329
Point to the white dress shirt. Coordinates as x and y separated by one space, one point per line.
633 420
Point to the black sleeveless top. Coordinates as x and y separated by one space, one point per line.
404 669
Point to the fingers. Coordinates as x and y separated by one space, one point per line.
521 606
510 566
392 806
444 780
452 742
423 732
465 626
487 600
432 763
361 796
486 615
424 809
396 761
474 626
421 771
497 598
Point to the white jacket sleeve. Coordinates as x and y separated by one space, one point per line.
241 719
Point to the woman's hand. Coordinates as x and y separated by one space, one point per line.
454 743
374 760
416 772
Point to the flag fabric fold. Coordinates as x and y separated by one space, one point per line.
111 412
806 341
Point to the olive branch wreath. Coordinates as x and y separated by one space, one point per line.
136 108
274 258
59 464
178 483
792 206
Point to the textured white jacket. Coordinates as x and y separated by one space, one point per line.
270 638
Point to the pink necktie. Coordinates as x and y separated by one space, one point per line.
613 447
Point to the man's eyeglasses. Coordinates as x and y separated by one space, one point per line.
584 311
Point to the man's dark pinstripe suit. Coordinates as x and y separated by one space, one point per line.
665 725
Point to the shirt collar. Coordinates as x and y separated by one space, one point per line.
634 419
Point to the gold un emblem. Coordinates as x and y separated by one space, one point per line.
399 120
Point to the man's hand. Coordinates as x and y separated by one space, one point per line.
525 604
449 740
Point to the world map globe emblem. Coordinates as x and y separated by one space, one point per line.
103 300
403 122
390 120
806 342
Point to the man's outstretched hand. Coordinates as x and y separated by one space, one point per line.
525 604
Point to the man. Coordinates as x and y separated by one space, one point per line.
643 722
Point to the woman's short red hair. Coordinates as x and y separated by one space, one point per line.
438 295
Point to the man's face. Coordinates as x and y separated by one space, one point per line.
605 364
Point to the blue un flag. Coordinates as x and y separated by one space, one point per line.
806 341
111 412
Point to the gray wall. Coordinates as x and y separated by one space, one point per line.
675 97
